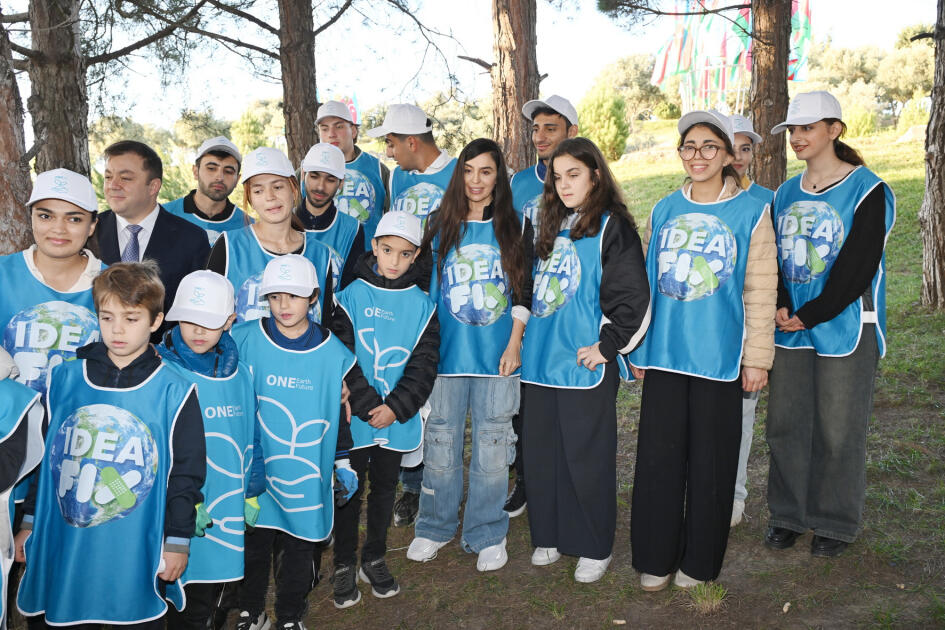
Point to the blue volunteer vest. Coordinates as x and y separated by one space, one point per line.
298 396
696 261
566 313
246 259
228 406
762 194
810 229
388 324
237 221
362 193
97 538
338 238
419 194
527 188
473 303
42 327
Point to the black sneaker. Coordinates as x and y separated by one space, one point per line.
346 586
382 582
406 508
248 621
515 504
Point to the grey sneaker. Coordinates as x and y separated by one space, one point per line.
247 621
382 582
346 586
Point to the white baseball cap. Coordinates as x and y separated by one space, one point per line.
266 160
204 298
326 158
222 144
710 116
402 224
61 183
293 273
403 118
336 109
810 107
558 103
740 124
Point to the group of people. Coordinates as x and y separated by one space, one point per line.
200 394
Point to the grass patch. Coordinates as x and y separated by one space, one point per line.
707 598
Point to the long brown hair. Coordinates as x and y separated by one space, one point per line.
449 221
605 196
843 150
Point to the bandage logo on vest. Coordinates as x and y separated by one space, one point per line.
104 461
474 286
810 234
250 305
696 255
556 278
419 200
356 196
45 335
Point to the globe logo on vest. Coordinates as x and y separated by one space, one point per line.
45 335
530 210
250 305
474 287
696 254
419 200
104 462
810 234
337 263
556 278
356 196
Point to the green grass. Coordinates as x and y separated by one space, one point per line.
708 598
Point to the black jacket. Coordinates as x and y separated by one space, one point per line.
414 387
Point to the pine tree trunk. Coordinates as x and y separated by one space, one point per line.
15 182
932 212
771 21
58 101
514 77
297 56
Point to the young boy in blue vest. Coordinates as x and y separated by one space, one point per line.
114 510
201 350
298 372
391 325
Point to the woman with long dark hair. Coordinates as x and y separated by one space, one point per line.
481 254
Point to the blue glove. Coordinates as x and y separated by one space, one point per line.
348 480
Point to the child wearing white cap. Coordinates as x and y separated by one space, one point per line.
298 373
217 170
272 191
201 350
391 326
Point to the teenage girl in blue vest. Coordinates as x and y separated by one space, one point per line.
481 255
831 222
589 303
711 264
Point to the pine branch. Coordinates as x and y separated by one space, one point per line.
147 41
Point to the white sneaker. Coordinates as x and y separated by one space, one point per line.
543 556
591 570
738 509
424 549
652 583
684 581
492 558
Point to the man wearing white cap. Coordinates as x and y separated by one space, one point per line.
364 194
216 170
423 169
323 174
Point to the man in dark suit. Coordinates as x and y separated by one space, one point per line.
138 227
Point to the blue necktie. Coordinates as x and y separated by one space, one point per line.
131 253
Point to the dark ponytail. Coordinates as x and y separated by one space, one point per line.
843 150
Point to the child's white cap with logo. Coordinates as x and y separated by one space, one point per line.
325 158
293 274
204 298
61 183
266 160
402 224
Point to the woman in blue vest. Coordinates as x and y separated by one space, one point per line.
831 222
590 302
481 255
711 264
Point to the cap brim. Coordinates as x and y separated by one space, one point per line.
291 290
414 242
223 149
801 120
754 137
378 132
201 318
74 202
687 121
324 116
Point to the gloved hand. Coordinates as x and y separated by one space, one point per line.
203 520
250 512
348 480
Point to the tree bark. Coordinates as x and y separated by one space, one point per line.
58 101
514 77
771 21
15 184
297 57
932 212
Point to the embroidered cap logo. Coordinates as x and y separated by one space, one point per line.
60 184
197 299
285 272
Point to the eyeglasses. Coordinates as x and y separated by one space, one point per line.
706 151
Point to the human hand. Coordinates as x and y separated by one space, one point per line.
590 356
381 417
19 545
174 565
637 372
754 379
511 358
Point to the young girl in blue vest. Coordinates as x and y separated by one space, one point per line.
272 191
831 223
590 303
711 264
481 286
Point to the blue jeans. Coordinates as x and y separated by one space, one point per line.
491 402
